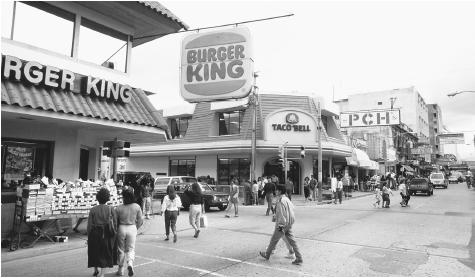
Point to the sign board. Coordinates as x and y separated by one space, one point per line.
451 138
217 65
37 74
289 125
370 118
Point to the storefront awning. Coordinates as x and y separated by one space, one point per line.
229 105
138 111
363 158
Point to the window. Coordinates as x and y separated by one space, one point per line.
178 127
435 115
230 122
380 103
229 168
182 167
110 40
35 24
436 130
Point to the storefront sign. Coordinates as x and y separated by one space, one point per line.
51 77
216 65
291 124
370 118
451 138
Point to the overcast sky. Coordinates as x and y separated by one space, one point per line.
351 46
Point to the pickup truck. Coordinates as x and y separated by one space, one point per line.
422 185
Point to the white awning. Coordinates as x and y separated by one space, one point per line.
229 105
362 158
179 111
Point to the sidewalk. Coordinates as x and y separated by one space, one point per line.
298 200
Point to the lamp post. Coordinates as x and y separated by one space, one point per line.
459 92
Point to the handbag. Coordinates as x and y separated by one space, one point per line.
111 228
203 221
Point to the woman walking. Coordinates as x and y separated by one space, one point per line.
171 206
196 208
129 217
233 199
100 242
306 188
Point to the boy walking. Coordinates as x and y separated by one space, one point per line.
285 218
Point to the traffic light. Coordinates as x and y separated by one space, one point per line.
115 148
281 151
302 152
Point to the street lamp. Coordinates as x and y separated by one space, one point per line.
459 92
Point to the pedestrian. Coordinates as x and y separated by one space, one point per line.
289 186
274 179
171 206
404 193
339 189
313 187
306 189
377 197
346 186
147 184
196 206
100 242
269 189
129 217
285 218
138 192
233 198
260 191
333 185
386 200
255 193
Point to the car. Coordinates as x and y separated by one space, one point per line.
211 197
130 178
453 179
422 185
438 179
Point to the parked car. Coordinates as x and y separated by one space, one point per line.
438 179
211 197
422 185
453 179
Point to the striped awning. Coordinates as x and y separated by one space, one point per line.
138 111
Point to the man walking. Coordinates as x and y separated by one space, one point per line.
285 218
313 187
269 192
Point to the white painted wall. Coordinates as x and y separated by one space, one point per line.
152 164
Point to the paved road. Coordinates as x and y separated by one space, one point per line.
432 237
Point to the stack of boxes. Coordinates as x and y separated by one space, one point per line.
57 203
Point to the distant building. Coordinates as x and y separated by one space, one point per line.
435 128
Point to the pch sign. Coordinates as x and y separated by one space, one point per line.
370 118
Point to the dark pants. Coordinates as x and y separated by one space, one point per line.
269 203
337 195
170 221
386 200
405 199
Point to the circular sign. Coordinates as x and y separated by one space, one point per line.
292 118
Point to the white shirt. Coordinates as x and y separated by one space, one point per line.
255 187
334 183
171 205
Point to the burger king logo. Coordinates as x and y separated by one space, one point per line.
216 65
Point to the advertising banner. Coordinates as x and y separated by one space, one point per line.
216 65
370 118
451 138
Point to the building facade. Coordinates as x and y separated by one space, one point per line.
215 140
435 128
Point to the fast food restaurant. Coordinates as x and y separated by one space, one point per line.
57 109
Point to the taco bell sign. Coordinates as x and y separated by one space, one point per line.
216 65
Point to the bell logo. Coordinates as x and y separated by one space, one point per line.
292 118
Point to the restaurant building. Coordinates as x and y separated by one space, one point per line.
214 139
60 100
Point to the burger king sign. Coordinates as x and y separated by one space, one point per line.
216 65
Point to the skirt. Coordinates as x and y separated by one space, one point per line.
101 249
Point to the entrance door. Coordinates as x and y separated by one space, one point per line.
274 167
83 164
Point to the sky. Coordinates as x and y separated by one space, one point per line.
335 49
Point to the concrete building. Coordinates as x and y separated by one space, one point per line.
435 128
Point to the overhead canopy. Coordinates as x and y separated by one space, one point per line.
186 110
229 105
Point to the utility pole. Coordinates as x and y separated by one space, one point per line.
285 163
253 104
320 155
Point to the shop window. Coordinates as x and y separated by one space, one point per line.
230 122
178 127
41 25
25 156
111 42
182 167
229 168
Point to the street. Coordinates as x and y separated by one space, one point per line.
434 236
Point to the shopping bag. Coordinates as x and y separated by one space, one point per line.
203 221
